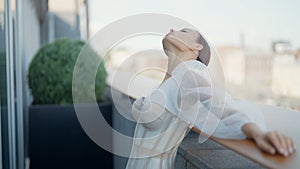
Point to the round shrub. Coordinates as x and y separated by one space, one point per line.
51 72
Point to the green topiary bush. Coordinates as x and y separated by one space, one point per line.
51 72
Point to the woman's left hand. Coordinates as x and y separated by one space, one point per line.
270 141
274 141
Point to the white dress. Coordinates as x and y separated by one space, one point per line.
187 99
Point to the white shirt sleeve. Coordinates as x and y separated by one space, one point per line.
193 98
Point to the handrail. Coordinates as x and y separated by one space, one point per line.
280 119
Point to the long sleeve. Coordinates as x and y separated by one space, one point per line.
192 97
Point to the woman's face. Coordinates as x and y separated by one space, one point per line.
184 40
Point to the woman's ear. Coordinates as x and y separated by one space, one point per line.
197 46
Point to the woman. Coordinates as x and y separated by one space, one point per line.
188 100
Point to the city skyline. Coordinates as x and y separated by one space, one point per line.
259 22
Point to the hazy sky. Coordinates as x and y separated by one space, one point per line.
222 21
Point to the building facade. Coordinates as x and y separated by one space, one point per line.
26 25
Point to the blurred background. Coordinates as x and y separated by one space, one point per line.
257 42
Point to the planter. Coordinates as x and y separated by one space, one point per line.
57 140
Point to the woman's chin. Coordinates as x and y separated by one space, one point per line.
167 45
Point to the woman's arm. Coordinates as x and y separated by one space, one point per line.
271 141
238 119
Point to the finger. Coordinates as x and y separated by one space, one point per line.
274 140
267 147
294 146
283 142
291 145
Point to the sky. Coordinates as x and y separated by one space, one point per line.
221 22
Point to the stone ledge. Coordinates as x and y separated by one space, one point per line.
192 155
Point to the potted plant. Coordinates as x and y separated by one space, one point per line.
56 139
